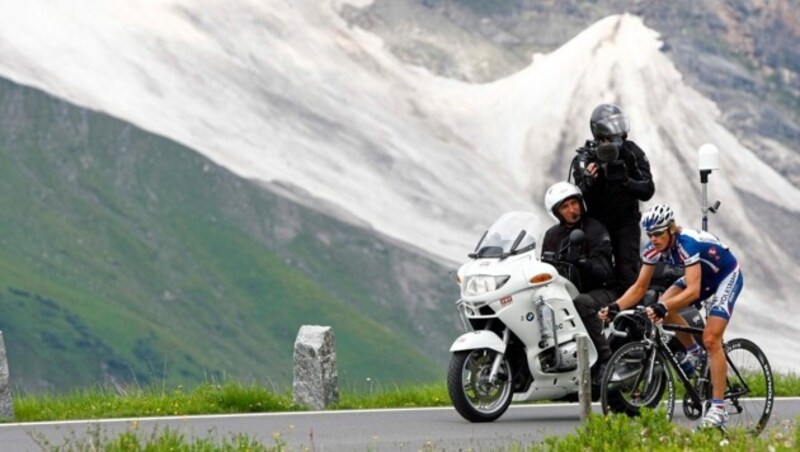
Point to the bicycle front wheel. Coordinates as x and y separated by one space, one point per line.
750 390
637 376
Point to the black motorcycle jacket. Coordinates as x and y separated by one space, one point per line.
592 260
616 202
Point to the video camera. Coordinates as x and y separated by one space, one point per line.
606 156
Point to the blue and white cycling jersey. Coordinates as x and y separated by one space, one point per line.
692 246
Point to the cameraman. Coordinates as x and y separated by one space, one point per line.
614 175
591 258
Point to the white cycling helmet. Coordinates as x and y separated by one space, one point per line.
558 193
657 217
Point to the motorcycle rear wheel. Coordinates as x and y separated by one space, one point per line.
474 397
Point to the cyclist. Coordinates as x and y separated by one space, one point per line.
711 270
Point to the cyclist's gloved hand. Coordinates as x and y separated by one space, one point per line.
659 310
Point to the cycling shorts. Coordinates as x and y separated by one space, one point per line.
719 302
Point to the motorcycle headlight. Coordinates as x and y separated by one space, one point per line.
481 284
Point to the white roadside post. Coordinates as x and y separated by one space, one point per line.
584 377
707 161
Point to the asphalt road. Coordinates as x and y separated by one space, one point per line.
373 430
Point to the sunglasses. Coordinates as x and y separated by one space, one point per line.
658 233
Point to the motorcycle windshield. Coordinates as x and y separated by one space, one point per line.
512 233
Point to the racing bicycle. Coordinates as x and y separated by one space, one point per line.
642 374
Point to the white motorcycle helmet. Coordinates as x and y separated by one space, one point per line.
558 193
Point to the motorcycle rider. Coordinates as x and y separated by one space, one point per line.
711 272
592 260
613 188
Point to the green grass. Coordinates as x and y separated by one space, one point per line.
204 399
786 385
653 432
407 396
210 398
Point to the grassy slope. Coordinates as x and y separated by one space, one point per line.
124 256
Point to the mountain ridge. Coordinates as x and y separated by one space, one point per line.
739 54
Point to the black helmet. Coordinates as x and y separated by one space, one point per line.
608 121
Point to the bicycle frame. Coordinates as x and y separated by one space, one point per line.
639 372
659 334
699 393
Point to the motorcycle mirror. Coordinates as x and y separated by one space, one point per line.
576 237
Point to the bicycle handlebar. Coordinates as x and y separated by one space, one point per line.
639 311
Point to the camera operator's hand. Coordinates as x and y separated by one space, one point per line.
590 174
616 172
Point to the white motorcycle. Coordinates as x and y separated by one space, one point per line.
524 325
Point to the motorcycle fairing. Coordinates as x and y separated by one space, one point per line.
477 340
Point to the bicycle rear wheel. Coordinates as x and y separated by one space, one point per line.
637 376
750 390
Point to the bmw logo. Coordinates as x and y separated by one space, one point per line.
529 317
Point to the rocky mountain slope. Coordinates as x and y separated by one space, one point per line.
743 55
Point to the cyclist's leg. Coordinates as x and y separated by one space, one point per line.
719 314
712 339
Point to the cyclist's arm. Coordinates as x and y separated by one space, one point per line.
638 289
688 295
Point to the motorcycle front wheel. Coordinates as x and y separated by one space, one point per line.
474 396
